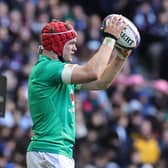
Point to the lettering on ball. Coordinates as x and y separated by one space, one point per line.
126 38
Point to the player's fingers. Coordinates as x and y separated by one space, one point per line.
108 22
121 23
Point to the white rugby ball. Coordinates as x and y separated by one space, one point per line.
129 37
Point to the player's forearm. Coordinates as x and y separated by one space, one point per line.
111 72
112 28
107 76
100 60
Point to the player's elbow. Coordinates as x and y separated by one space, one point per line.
102 85
107 85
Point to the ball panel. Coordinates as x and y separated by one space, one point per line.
134 31
130 37
127 39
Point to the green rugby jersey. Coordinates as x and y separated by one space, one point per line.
51 104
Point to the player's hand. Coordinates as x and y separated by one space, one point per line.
123 53
113 25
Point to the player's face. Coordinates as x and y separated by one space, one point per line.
69 50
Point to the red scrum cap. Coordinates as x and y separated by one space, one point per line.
55 35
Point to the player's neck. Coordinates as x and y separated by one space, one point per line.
50 54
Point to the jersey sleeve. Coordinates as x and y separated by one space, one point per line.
54 70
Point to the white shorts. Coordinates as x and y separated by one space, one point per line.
48 160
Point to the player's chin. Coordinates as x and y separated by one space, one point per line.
71 55
70 58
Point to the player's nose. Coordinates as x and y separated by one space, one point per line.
74 47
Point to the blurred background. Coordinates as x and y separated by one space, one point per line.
125 126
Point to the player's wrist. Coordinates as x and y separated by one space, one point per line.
122 53
109 42
109 35
121 56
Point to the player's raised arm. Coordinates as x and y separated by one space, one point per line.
93 69
111 71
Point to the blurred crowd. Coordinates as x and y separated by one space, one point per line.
125 126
